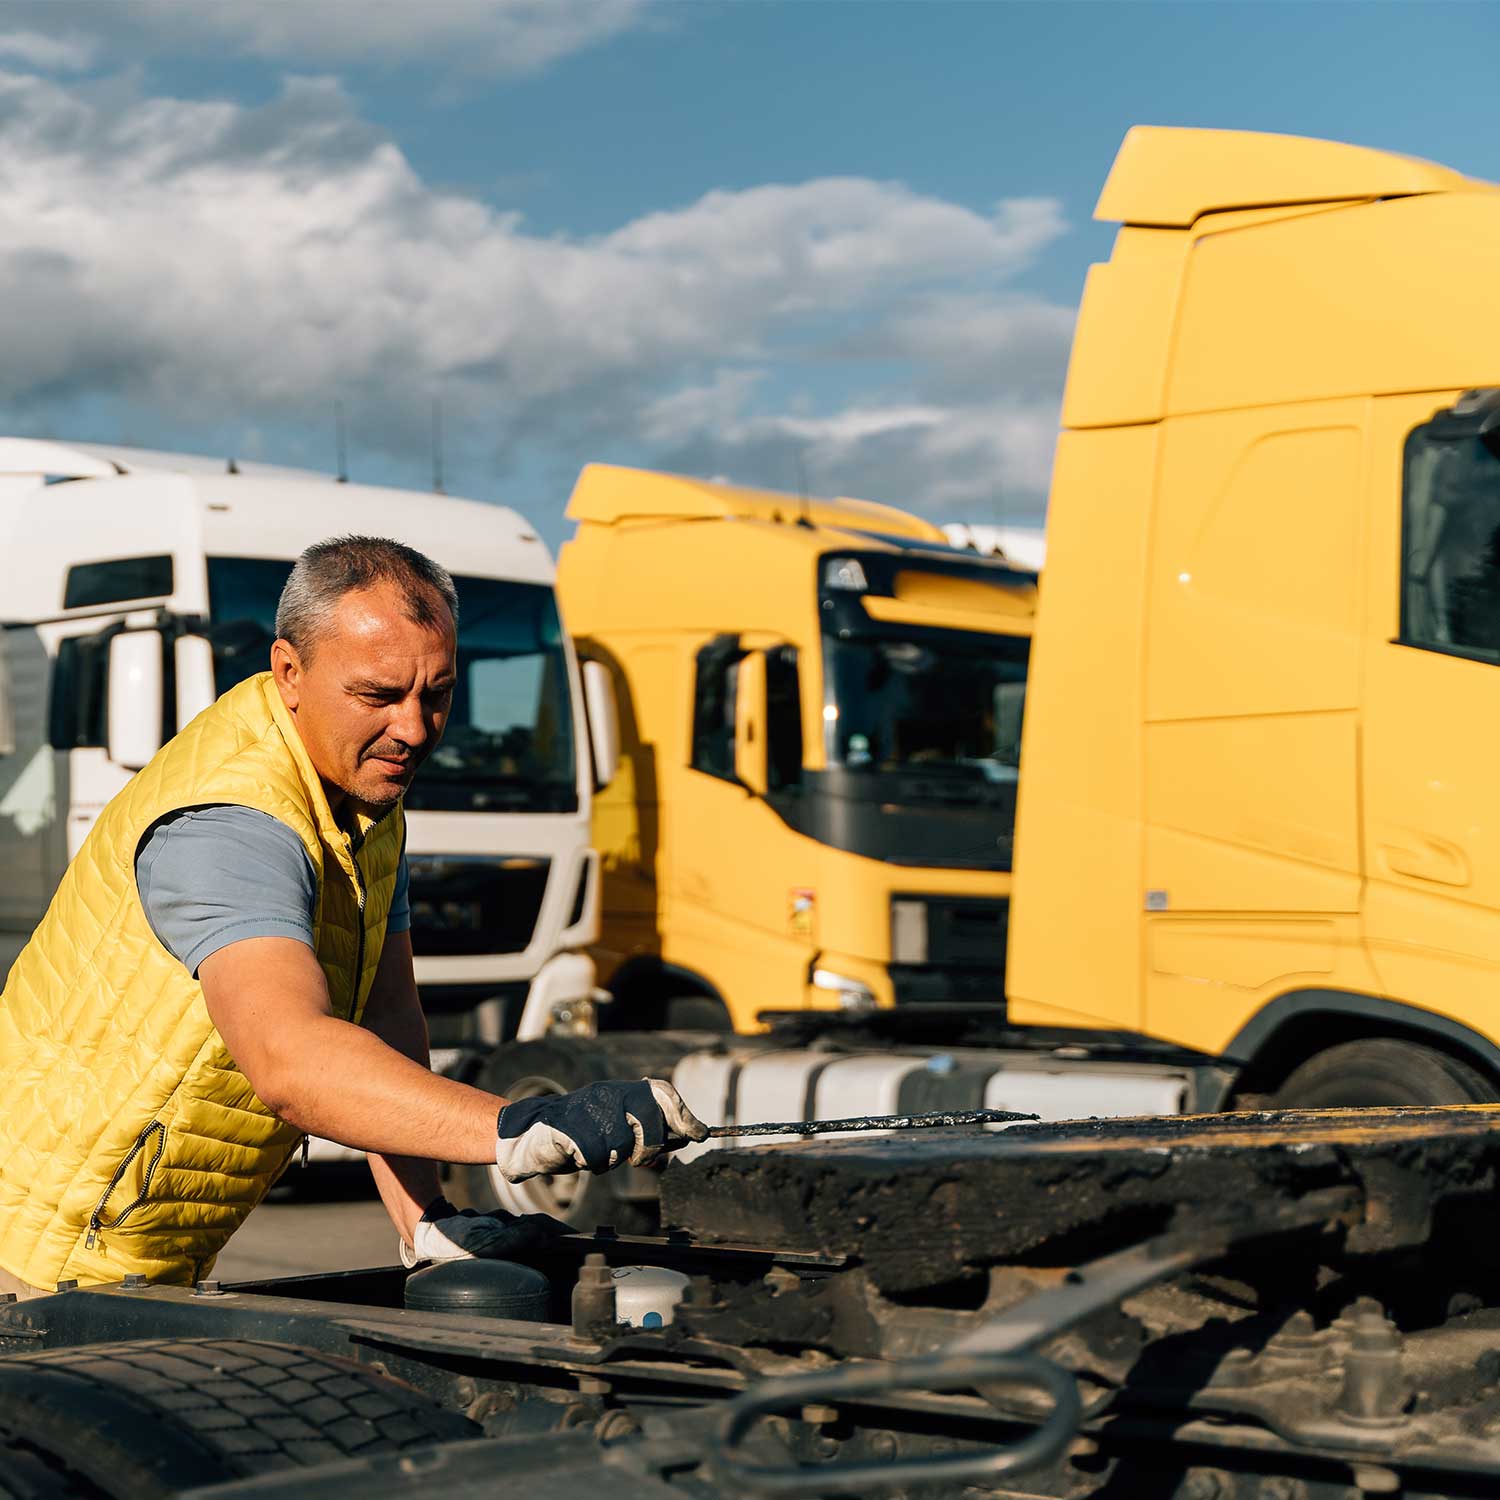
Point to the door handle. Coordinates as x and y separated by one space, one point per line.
1427 858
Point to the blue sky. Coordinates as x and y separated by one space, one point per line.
757 239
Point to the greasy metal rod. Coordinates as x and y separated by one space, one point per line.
935 1118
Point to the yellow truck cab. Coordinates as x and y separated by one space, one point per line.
820 715
1260 809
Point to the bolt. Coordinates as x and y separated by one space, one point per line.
1298 1327
1374 1391
1279 1487
883 1445
615 1425
1236 1368
134 1282
1205 1484
593 1295
208 1287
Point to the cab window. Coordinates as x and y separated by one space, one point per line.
713 707
1450 583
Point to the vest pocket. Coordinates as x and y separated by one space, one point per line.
97 1221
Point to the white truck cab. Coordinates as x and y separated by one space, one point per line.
137 586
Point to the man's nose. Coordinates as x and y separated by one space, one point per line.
408 723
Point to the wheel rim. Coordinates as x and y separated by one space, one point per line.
537 1195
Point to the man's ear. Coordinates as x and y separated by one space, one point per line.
286 668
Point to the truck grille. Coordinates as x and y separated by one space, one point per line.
474 904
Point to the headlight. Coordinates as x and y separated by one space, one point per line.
845 574
854 994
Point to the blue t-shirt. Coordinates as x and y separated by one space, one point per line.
211 876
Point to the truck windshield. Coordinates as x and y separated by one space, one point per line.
946 715
509 742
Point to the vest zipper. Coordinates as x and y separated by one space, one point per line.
96 1219
359 941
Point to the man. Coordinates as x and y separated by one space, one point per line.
226 968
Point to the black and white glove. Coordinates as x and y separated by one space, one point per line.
446 1233
594 1128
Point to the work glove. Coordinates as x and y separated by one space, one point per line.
595 1128
446 1233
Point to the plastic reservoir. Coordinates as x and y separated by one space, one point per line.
647 1296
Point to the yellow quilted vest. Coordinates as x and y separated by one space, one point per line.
129 1140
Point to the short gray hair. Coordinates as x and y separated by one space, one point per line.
344 564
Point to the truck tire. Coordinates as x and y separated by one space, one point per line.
1378 1071
558 1065
28 1475
144 1419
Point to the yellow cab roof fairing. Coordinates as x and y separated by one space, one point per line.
1168 178
608 494
1255 270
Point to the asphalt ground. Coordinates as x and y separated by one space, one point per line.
327 1218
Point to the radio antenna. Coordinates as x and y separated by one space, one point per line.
341 442
437 445
805 518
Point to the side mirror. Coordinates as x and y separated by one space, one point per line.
193 665
1489 433
7 708
135 697
604 721
750 722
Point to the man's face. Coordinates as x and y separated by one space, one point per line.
372 701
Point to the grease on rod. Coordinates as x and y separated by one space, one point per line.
933 1119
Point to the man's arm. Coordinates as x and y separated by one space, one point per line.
407 1184
269 1001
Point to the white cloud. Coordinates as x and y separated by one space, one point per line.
476 36
221 262
52 54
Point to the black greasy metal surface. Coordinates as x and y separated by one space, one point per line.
928 1120
920 1210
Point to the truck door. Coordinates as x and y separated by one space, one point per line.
1431 733
33 840
734 863
1251 885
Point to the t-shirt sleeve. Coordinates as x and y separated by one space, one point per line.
399 919
211 876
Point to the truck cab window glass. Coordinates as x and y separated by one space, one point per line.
509 743
903 706
77 718
242 596
1450 586
713 707
117 580
783 720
